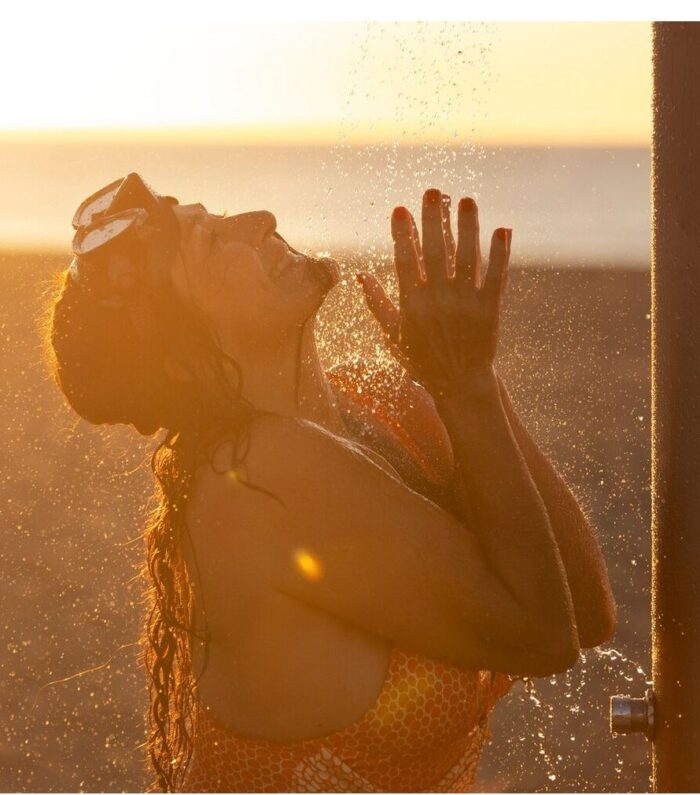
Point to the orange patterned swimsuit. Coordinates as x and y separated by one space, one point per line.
425 732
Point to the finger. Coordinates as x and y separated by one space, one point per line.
496 276
468 258
416 239
380 305
433 239
449 237
406 258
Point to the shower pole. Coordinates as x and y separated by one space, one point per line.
675 376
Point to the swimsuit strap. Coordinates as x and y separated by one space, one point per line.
375 408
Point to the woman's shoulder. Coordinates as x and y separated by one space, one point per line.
387 398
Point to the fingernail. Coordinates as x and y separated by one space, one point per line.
467 205
504 233
433 196
401 214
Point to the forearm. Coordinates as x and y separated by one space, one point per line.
586 571
497 499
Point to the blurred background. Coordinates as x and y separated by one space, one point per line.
329 125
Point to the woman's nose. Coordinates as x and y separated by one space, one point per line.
251 228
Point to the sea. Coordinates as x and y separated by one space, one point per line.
567 206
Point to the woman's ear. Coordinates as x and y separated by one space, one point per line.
175 370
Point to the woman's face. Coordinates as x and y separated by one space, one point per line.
246 279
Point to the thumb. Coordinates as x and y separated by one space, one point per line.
380 305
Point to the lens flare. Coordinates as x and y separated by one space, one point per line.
308 564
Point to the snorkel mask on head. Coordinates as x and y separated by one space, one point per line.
126 238
125 241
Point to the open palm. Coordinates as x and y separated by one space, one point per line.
445 329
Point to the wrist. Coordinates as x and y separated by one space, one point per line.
479 385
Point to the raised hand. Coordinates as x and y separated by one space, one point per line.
445 330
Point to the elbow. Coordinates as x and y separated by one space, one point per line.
599 628
561 653
538 649
556 643
547 647
547 636
564 658
547 662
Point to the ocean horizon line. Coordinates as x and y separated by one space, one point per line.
344 254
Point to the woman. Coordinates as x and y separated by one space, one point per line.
346 571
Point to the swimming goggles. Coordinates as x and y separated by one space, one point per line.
122 229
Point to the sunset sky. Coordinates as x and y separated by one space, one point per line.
206 80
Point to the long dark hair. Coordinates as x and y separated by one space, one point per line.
110 377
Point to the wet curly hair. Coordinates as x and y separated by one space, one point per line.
110 371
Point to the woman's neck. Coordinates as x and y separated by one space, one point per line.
289 379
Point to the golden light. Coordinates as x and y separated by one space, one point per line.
507 83
308 564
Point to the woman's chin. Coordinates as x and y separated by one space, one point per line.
305 285
326 271
304 271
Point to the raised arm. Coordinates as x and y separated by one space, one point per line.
586 572
445 333
594 603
